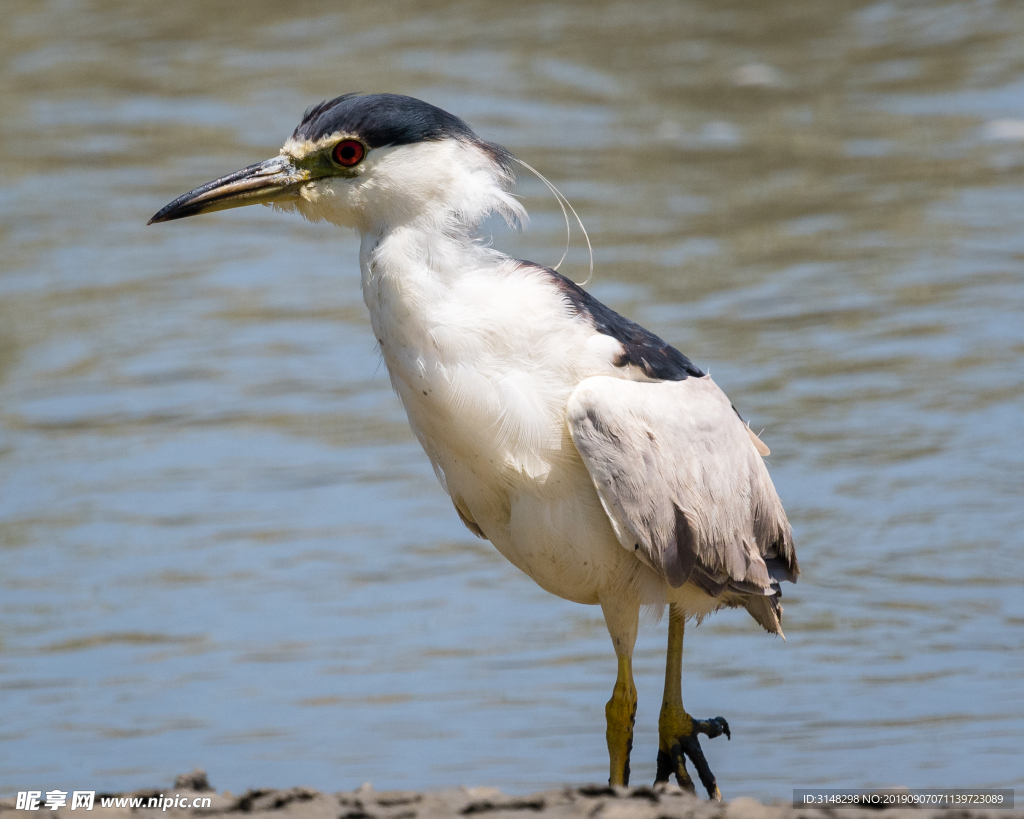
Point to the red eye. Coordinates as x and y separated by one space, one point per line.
348 152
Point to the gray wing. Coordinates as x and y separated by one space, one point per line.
681 478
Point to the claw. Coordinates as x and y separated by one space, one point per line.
711 728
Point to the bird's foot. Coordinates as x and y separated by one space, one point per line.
677 739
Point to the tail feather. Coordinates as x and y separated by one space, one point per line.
767 610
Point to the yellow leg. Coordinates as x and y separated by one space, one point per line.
677 730
620 712
622 618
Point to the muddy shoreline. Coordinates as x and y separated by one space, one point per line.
598 801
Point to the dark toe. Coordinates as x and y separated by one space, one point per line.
711 728
691 747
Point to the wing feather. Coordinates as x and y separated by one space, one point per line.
681 478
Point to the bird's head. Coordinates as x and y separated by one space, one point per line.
371 162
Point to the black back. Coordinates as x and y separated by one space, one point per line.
640 347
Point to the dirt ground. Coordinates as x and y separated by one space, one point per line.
597 801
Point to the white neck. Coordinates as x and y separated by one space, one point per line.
418 252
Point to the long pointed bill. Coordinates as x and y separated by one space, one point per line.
266 181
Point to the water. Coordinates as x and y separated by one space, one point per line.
220 544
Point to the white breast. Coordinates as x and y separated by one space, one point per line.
484 361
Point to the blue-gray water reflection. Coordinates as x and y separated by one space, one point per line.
221 546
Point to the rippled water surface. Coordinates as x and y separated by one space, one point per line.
220 544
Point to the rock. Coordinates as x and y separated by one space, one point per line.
195 781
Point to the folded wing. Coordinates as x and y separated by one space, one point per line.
681 478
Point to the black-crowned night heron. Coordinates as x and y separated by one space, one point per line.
596 458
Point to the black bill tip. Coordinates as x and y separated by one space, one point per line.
178 209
